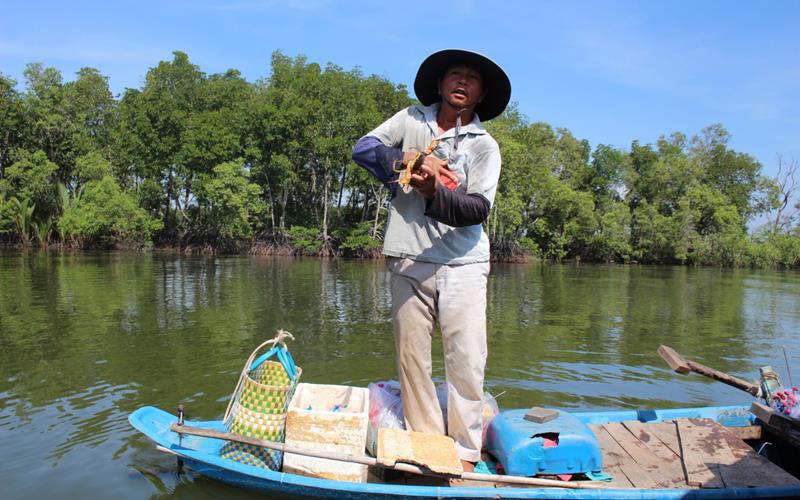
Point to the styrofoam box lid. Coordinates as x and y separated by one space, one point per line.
322 397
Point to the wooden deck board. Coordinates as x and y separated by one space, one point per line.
733 463
667 460
620 480
667 433
615 456
701 455
683 454
777 425
641 454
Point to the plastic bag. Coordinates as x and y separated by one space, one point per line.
385 410
786 402
488 411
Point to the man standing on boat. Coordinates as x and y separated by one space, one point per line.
436 248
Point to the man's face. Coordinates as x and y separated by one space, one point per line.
462 87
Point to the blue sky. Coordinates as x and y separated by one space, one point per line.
610 72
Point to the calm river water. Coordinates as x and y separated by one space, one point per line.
85 340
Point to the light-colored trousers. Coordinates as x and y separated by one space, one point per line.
455 295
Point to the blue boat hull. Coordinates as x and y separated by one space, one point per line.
202 455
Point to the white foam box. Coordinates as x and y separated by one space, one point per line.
327 418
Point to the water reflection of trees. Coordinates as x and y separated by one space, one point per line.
606 322
85 339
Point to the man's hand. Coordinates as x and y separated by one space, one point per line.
408 156
426 179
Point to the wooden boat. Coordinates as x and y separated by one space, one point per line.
653 454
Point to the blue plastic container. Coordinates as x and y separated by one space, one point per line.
526 448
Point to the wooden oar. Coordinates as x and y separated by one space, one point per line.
683 366
365 460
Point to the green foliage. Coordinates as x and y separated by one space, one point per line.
735 175
603 176
306 240
360 242
7 211
529 247
32 177
783 250
612 241
22 217
191 158
12 122
228 202
66 200
105 216
91 167
92 108
66 121
43 229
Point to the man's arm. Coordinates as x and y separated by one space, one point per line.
457 209
378 151
377 158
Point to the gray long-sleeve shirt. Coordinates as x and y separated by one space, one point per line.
450 207
447 229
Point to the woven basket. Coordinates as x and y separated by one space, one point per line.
258 410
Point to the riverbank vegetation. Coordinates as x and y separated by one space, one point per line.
213 163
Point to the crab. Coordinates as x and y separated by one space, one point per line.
405 172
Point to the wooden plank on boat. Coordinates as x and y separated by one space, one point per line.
667 433
437 453
620 480
789 436
701 455
775 426
640 453
747 432
615 456
736 464
773 418
668 461
610 466
752 470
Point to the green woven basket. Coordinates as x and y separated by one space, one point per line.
258 410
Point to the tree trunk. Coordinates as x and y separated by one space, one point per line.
271 204
494 222
4 153
341 186
788 187
379 201
314 194
284 201
168 222
325 190
365 206
184 221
